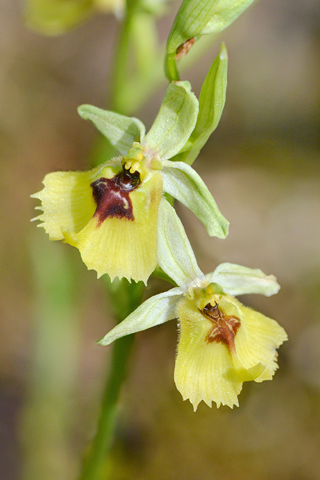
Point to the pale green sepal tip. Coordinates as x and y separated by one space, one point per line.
175 121
175 255
183 183
154 311
121 131
239 280
201 17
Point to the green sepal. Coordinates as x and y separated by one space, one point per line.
211 103
183 183
175 121
154 311
54 17
200 17
239 280
121 131
175 255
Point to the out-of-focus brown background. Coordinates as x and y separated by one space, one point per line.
262 165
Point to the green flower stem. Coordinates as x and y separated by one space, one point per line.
124 298
171 67
95 462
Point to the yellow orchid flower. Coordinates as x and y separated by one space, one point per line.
110 213
222 343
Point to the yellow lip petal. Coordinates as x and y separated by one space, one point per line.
112 221
222 344
258 340
123 247
203 371
66 200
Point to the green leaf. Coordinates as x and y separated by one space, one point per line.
183 183
200 17
175 255
121 131
239 280
175 121
154 311
54 17
211 103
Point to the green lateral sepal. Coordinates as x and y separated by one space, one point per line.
239 280
121 131
182 182
154 311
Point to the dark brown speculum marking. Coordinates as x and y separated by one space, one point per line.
224 327
112 195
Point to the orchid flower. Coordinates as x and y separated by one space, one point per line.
110 213
222 343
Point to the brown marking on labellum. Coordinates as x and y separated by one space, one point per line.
184 48
112 195
224 327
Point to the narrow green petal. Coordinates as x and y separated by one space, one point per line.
175 255
211 103
175 121
154 311
239 280
123 247
183 183
67 200
121 131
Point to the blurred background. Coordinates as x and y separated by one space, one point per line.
262 166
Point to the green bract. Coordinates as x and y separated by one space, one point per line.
211 103
196 18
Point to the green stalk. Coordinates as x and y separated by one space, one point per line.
125 297
95 462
